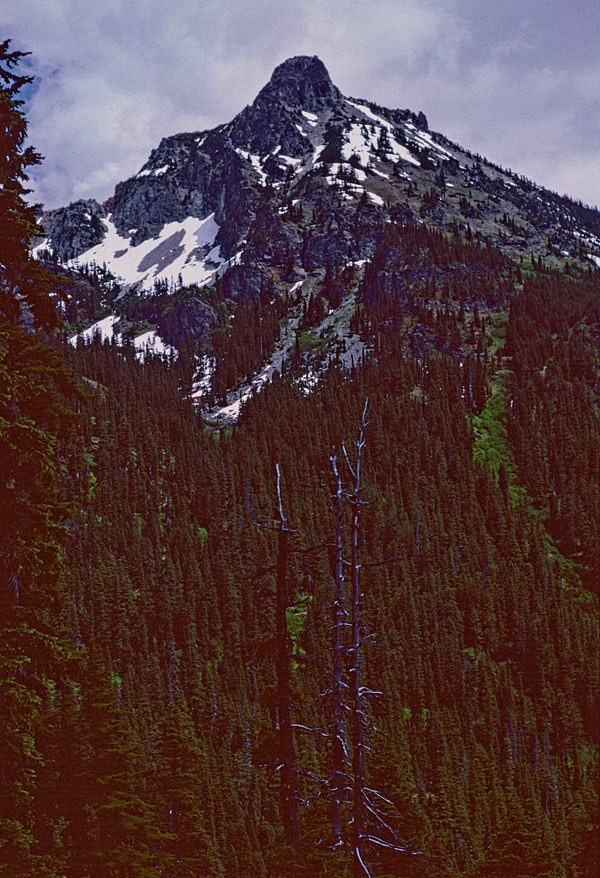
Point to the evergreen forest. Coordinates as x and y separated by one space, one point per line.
186 686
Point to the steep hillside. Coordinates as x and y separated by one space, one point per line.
344 626
290 204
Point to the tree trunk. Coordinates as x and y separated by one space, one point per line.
358 824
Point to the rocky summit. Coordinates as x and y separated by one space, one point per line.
296 201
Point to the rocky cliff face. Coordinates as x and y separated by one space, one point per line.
302 186
274 121
74 229
296 120
301 138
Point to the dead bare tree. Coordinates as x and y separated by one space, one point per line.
366 802
370 826
358 712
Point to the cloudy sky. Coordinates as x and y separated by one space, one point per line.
516 82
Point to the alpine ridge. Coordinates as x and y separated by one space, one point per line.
301 185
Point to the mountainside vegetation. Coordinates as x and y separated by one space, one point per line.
180 661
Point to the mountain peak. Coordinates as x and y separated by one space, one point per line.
302 82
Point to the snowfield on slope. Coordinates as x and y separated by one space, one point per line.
182 249
146 343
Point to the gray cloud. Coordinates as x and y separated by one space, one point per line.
520 87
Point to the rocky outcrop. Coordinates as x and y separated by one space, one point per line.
186 319
74 229
246 283
299 84
340 235
273 241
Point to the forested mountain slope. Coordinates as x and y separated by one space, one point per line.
146 673
485 639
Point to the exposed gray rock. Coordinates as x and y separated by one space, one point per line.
164 253
274 241
74 229
340 235
206 175
300 83
246 283
186 319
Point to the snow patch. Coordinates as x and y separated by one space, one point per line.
317 153
183 249
37 251
151 343
427 140
368 112
403 153
308 382
102 329
364 143
310 118
359 143
202 385
147 342
254 161
290 161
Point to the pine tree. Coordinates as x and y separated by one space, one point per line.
24 284
120 836
518 850
183 797
34 387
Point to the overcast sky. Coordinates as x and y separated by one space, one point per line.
516 82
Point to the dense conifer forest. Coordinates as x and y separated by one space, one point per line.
151 697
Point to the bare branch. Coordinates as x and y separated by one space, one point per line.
361 862
365 414
348 464
364 690
379 795
378 816
386 844
302 728
281 515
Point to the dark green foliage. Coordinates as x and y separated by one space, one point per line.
23 283
114 829
183 791
485 639
137 670
35 389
